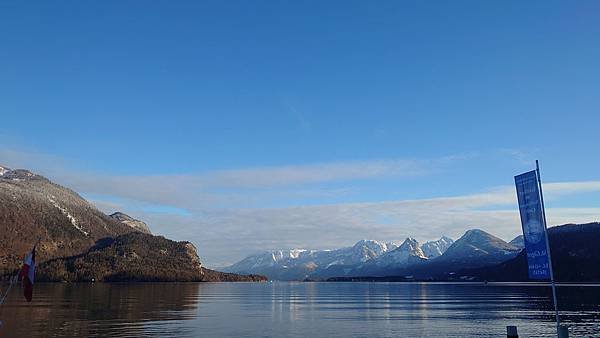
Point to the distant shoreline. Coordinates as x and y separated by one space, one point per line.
528 284
466 283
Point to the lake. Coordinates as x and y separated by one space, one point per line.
282 309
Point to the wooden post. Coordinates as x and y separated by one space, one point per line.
511 332
563 332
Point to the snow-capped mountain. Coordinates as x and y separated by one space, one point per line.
435 249
363 251
299 263
373 258
408 253
365 254
477 246
518 241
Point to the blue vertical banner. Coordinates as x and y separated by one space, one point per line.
532 221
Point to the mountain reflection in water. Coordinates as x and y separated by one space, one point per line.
100 310
297 310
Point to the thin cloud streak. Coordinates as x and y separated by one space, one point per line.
225 232
223 188
226 236
235 187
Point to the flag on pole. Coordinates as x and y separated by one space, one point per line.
534 227
534 230
27 274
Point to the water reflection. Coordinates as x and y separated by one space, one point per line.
99 309
297 310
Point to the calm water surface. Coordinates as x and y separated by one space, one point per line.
296 310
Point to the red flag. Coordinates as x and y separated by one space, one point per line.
27 274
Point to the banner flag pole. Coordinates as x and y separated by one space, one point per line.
539 179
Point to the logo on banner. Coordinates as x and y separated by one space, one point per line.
535 231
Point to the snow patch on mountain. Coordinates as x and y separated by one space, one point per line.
366 250
477 244
433 249
18 175
409 252
518 241
361 252
132 222
303 263
69 216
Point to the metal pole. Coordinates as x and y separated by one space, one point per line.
13 280
537 168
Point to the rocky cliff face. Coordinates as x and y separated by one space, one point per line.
135 224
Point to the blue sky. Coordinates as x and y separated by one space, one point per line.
265 106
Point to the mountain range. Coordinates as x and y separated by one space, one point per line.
475 248
475 256
77 242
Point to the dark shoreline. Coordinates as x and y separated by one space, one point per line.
207 276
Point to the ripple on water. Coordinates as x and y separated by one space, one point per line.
296 310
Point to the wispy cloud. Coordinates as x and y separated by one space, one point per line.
225 188
225 236
243 187
224 214
316 173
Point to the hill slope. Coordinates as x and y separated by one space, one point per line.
32 207
134 257
575 257
80 243
136 224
